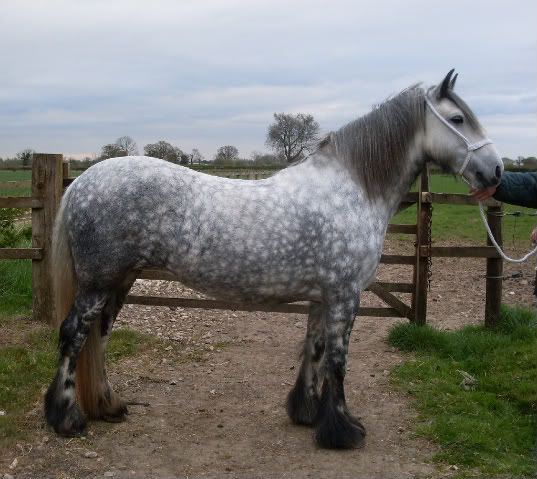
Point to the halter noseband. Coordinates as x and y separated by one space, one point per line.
471 147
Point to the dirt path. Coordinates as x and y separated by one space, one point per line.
216 394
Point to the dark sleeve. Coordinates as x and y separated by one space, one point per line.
518 189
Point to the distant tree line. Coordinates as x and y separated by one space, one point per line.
291 137
520 163
22 158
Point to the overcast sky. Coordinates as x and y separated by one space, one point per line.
77 74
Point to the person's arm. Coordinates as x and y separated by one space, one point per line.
515 188
518 189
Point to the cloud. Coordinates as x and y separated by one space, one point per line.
79 73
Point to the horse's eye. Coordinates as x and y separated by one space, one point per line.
457 119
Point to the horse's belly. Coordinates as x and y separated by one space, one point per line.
246 267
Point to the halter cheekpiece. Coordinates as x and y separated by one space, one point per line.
471 147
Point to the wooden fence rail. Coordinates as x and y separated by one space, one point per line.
50 176
14 185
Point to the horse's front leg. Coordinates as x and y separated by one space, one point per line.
303 400
336 428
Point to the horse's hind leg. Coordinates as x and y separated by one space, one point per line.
336 428
303 400
61 409
110 406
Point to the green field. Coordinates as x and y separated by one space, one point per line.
463 223
7 175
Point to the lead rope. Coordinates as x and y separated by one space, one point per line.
497 246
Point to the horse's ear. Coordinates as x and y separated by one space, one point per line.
446 85
453 80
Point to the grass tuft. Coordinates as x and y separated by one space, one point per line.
15 287
16 276
492 427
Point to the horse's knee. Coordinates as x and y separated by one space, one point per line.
68 332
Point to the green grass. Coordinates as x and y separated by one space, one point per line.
29 365
16 282
6 175
489 430
457 222
15 287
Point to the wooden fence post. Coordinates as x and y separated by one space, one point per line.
66 170
47 183
423 238
494 270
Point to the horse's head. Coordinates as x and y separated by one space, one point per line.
455 140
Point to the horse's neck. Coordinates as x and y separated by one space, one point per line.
321 171
413 165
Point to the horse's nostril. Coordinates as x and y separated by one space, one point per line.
498 172
479 176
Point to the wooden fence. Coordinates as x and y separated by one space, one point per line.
50 176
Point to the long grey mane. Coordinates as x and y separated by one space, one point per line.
374 146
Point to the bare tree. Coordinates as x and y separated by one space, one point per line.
292 136
123 146
226 154
195 156
127 145
25 156
182 157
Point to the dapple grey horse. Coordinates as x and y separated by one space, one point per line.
312 232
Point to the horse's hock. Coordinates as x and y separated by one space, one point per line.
50 176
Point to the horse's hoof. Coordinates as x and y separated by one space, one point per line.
340 432
63 415
73 424
118 418
116 412
355 421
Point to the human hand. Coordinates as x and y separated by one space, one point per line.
534 236
484 194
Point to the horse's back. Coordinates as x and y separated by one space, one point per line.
129 213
